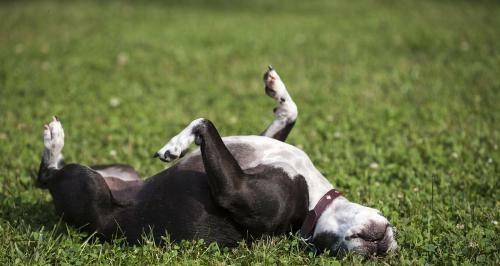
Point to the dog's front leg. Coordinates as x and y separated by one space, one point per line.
220 165
285 113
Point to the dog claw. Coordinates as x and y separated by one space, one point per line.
270 67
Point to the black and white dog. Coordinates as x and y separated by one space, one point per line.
230 189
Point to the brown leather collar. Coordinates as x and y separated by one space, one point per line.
313 215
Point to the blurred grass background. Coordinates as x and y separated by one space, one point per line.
398 101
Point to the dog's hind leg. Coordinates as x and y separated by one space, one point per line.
220 165
52 159
285 113
80 194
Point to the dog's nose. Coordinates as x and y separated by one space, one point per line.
156 155
376 238
373 232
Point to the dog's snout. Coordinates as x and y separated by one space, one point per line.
376 238
372 233
156 155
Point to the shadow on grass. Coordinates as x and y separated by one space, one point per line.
29 216
24 220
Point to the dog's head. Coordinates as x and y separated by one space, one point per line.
349 227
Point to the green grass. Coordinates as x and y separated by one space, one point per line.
412 86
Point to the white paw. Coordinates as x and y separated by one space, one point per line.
171 151
286 111
53 140
53 136
174 148
275 88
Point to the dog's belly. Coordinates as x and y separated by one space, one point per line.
178 203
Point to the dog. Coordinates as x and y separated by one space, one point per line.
228 190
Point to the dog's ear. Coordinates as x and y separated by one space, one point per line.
123 192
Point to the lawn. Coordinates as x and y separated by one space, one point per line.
399 107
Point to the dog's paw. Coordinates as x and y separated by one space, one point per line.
274 87
177 146
171 151
53 141
53 136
